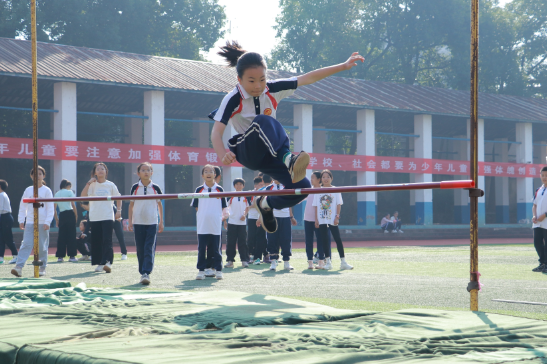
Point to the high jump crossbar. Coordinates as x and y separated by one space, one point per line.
457 184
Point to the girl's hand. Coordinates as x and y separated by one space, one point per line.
336 221
242 218
93 179
160 228
46 227
293 221
118 215
130 226
22 226
228 158
257 223
534 220
316 224
352 60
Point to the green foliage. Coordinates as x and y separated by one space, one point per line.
422 42
168 28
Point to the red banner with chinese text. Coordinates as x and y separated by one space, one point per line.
136 153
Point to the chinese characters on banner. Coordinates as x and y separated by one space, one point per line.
135 153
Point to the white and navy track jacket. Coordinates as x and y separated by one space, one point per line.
240 108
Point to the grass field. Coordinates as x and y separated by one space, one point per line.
384 279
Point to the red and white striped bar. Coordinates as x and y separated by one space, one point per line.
304 191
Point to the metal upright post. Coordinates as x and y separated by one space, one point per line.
35 132
474 193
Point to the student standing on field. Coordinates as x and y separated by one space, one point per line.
237 227
6 224
256 236
101 216
66 221
146 219
26 223
309 226
209 223
327 217
539 220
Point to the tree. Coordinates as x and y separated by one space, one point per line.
167 28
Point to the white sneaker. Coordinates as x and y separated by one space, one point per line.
229 265
287 266
60 260
245 264
251 258
345 266
42 271
386 232
18 272
401 231
315 260
218 275
145 279
14 260
320 264
73 260
99 268
124 256
84 258
107 267
200 276
273 266
328 264
209 272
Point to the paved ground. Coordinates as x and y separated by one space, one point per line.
384 278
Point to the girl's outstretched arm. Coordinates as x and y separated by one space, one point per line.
227 158
318 75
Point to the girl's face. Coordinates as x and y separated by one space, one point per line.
314 181
543 176
253 81
100 171
145 172
387 216
208 174
82 227
40 177
326 179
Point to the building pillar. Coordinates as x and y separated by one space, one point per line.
201 140
525 186
502 185
462 213
65 128
366 146
480 151
154 130
423 146
229 173
133 130
303 119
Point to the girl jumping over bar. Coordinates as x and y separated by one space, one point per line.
262 143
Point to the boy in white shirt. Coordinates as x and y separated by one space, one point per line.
539 219
209 223
237 227
282 237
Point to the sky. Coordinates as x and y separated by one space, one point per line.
251 23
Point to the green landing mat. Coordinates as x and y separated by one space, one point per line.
46 321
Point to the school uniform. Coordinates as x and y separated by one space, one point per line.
282 238
118 230
6 224
237 230
209 226
145 219
310 230
540 228
256 236
45 215
66 238
326 204
101 220
261 141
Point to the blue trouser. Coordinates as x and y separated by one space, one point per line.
388 226
310 229
282 238
6 235
145 241
540 243
256 238
257 150
212 244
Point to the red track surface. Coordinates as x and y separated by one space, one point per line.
351 244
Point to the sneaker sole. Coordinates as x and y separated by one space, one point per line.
261 219
298 172
107 269
200 278
146 282
219 278
14 272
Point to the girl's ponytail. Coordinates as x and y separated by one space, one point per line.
231 52
240 58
